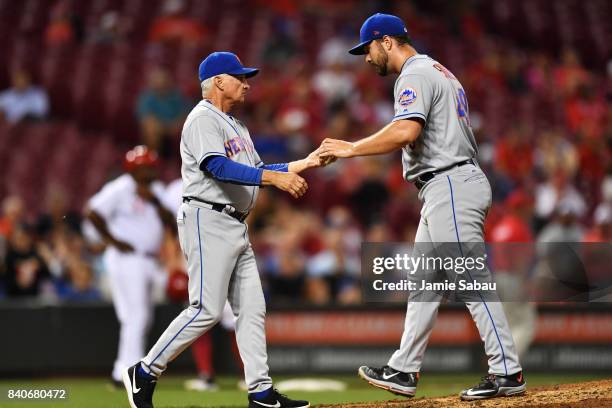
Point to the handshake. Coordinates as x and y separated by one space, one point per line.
291 182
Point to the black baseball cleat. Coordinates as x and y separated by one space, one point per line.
389 379
274 399
139 389
492 386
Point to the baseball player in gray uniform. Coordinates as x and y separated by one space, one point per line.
431 126
221 174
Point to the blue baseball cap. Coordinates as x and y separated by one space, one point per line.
377 26
223 62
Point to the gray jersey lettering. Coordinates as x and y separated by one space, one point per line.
427 91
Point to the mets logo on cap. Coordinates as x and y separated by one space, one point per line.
407 97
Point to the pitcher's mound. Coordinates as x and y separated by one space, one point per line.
584 395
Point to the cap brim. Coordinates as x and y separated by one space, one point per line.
359 48
247 72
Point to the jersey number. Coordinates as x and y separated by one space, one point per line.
462 105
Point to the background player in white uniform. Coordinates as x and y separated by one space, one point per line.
221 174
128 215
431 127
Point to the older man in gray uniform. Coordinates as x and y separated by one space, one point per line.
221 174
431 126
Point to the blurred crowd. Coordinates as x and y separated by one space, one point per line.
543 121
46 256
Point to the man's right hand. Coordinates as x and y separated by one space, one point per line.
289 182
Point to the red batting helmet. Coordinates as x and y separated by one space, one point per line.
140 156
177 288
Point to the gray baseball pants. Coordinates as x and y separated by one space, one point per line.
221 265
455 204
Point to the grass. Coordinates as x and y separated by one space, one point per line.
96 393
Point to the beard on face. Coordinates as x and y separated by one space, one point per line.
381 69
381 63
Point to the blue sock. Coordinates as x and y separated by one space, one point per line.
142 373
261 394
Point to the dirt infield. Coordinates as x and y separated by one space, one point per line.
588 394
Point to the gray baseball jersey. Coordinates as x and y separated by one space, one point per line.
428 91
210 132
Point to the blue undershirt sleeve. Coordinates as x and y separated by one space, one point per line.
284 167
224 169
